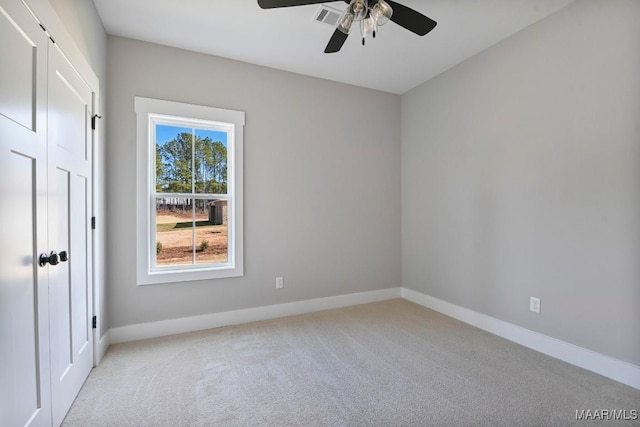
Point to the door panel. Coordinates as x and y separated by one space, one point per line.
69 164
59 278
19 292
18 84
67 125
24 323
80 218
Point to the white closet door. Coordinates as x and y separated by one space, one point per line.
70 106
46 338
24 323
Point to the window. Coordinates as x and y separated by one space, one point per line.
189 205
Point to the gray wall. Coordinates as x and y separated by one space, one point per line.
322 180
521 177
82 22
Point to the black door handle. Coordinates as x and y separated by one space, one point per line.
53 258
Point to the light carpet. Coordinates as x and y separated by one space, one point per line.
391 363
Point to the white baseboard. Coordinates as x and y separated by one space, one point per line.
216 320
101 348
615 369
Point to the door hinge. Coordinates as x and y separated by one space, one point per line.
47 33
94 322
93 222
93 121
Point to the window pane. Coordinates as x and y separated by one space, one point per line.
174 231
210 161
174 154
211 232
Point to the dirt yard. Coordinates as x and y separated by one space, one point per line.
174 230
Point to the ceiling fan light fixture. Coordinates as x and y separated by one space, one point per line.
345 21
381 12
359 9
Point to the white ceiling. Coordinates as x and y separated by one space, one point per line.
289 39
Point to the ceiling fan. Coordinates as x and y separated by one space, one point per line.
370 14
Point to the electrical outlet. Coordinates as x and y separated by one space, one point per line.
279 282
534 304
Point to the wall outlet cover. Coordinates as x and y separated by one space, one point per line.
534 304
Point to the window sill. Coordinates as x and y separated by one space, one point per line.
188 275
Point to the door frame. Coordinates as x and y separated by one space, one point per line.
46 16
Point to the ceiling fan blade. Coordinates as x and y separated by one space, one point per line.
410 19
270 4
335 43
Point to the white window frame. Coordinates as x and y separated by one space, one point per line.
149 111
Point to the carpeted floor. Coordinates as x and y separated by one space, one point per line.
391 363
